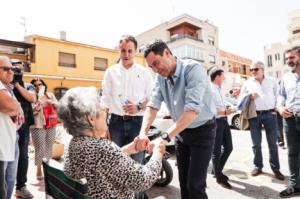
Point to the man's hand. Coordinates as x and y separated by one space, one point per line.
254 96
284 112
157 147
18 119
130 108
142 142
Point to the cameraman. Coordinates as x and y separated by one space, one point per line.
25 95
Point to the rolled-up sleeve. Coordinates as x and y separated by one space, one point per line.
156 95
196 85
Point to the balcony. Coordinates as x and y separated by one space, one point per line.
178 37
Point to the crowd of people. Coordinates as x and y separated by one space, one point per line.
109 152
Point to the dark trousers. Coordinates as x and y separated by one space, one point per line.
293 145
269 121
280 128
124 131
23 156
193 151
3 186
222 147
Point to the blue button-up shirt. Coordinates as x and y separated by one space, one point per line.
191 92
289 92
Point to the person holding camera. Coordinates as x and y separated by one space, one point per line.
25 94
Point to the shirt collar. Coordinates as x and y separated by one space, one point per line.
123 68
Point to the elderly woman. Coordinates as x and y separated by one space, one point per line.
109 170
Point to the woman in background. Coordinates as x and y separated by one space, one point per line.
43 138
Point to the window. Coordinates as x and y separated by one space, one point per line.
188 51
277 56
59 92
100 63
223 63
67 59
212 59
269 60
211 41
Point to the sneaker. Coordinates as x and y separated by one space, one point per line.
23 193
256 172
223 182
281 144
278 175
290 191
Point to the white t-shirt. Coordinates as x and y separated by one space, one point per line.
8 134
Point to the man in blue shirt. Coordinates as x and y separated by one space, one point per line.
289 109
185 88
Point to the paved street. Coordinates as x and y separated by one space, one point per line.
238 169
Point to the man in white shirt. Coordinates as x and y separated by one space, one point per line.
223 140
9 116
263 91
126 90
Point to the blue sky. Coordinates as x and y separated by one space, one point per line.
245 26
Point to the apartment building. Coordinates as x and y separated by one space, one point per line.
274 53
187 37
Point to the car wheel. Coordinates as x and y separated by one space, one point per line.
236 121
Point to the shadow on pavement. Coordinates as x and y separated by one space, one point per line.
253 191
164 192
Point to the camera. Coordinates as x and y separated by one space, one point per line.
18 76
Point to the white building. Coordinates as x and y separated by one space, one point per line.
274 54
187 37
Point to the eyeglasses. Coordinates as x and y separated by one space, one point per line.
254 69
36 85
7 68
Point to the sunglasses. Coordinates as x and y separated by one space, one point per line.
7 68
254 69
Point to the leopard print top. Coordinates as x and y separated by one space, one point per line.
109 172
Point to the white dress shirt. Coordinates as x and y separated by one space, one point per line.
267 92
121 84
218 99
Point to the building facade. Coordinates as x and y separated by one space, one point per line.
187 37
64 64
274 53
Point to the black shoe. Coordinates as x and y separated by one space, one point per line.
223 182
226 177
290 191
278 175
256 172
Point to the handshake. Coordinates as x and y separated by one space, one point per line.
157 146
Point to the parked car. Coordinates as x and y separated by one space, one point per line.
233 118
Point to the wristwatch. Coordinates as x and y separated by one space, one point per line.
165 136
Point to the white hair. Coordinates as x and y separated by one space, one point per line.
75 106
4 58
259 63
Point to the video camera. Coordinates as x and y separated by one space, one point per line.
18 74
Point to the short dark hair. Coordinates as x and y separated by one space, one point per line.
157 48
214 71
128 38
294 48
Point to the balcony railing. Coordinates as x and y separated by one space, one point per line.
172 39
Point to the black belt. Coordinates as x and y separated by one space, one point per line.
211 121
126 117
265 111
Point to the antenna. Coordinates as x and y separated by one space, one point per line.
23 23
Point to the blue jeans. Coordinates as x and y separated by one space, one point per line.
124 131
193 151
11 172
293 140
222 147
269 121
23 156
